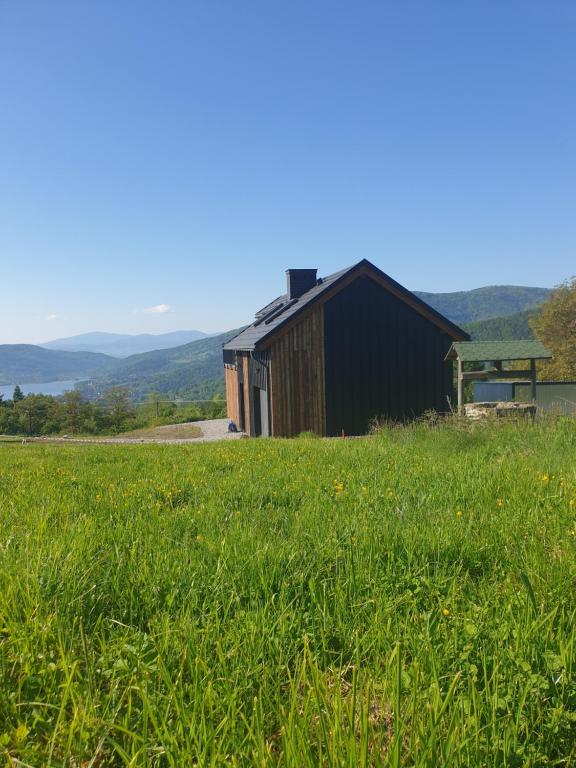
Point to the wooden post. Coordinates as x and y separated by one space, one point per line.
460 388
533 379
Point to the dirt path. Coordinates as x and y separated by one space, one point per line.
210 431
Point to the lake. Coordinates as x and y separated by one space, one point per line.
40 388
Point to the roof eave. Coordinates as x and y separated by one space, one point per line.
454 355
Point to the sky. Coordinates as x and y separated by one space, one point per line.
162 164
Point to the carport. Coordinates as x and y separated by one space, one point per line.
495 354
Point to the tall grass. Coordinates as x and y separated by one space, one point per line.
402 600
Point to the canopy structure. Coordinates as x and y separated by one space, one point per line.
496 352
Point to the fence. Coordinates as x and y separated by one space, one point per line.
182 410
551 396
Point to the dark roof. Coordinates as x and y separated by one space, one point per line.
278 312
485 351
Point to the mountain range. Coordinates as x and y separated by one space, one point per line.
194 369
123 344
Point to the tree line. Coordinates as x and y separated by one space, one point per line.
70 413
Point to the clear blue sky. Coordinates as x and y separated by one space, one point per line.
185 153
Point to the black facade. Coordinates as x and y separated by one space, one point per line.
374 351
382 359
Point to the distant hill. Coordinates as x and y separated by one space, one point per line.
485 303
502 328
192 371
28 363
123 344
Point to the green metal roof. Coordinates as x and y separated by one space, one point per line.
482 351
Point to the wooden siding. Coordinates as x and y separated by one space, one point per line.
231 378
244 362
297 378
383 359
234 376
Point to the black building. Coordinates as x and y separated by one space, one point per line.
334 353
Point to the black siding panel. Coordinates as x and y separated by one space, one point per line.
383 359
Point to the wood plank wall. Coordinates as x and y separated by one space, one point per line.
383 359
233 390
231 378
297 378
244 361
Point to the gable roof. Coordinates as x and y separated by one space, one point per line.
485 351
278 313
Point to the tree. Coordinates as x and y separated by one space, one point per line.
8 421
18 394
72 410
153 405
121 410
33 412
555 326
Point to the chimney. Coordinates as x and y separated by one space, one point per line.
298 281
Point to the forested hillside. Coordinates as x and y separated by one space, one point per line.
29 363
192 371
502 328
484 303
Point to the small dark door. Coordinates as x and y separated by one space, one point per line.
264 420
241 409
260 409
256 410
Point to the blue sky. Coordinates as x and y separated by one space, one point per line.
182 155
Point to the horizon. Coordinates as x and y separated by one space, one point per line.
170 183
226 330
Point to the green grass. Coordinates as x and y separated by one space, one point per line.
403 600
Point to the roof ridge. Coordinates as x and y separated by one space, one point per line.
274 315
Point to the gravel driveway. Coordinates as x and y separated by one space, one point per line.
211 429
215 429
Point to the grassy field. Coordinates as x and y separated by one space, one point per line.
402 600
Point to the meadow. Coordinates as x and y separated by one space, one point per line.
406 599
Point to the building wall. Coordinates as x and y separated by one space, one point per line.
382 359
236 376
231 378
244 362
297 378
